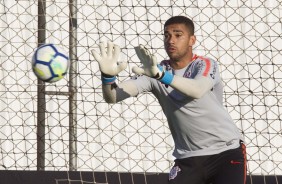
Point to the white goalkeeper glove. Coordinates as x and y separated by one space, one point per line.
108 63
150 66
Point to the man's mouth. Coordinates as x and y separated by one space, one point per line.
171 49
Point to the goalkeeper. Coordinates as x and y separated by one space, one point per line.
208 146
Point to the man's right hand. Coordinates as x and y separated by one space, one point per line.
107 60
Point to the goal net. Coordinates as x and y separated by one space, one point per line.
133 135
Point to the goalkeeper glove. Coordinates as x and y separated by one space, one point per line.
107 60
150 66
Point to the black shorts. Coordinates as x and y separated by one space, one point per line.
226 167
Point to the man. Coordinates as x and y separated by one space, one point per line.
208 146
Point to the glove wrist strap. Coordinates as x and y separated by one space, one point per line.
108 79
166 78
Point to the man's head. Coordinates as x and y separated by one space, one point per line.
181 20
178 40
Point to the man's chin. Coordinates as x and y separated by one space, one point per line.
173 58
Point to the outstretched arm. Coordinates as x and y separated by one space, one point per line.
114 93
110 68
194 88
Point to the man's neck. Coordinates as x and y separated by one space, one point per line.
177 65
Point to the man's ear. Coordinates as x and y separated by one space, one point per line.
192 40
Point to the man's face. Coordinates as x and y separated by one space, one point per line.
178 42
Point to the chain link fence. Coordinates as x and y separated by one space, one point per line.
133 136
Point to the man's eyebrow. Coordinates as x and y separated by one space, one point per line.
175 31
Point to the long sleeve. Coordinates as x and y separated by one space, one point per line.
117 92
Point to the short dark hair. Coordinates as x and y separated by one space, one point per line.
181 20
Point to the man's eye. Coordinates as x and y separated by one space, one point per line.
166 36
